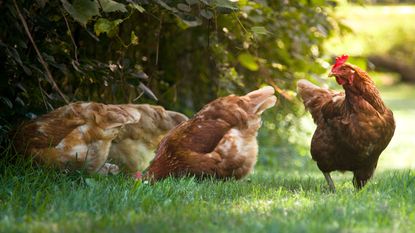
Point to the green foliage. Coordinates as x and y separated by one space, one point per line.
103 25
392 2
380 34
183 53
82 11
248 61
376 30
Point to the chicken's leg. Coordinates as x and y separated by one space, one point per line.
108 168
362 176
329 181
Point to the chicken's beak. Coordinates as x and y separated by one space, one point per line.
331 74
262 99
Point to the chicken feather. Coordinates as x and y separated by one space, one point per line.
353 128
219 141
80 135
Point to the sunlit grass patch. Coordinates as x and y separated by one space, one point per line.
375 28
266 201
399 154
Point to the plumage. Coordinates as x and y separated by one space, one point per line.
135 145
80 135
353 127
219 141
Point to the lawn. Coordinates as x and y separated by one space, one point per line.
272 199
36 200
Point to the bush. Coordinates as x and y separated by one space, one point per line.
183 53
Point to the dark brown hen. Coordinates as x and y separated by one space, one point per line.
353 128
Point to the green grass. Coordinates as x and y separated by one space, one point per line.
273 199
37 200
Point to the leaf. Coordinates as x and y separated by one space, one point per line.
140 75
206 14
137 7
189 20
167 7
81 10
192 23
112 6
183 7
15 55
6 101
104 25
134 38
226 4
192 2
21 87
248 61
20 101
147 91
259 30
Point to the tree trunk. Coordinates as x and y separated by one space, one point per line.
406 71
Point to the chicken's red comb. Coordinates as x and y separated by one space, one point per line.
138 176
340 60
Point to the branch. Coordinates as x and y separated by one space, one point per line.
158 39
279 90
42 61
70 35
265 73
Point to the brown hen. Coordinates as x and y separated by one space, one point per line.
353 128
219 141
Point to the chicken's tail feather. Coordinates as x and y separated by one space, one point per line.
313 97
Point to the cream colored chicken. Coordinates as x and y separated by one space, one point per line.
135 145
79 136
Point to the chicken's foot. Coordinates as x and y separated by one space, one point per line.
329 181
108 168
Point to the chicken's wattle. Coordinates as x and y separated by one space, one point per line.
340 81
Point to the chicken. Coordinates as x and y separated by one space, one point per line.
353 128
219 141
80 135
135 145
